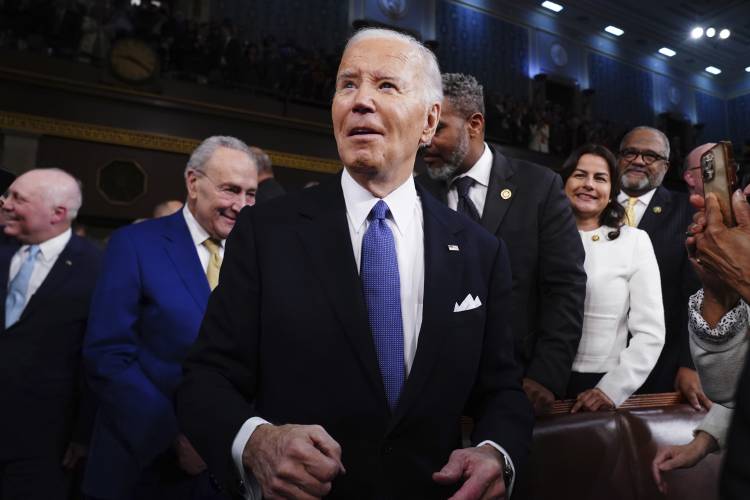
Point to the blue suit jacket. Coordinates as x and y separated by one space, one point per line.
145 314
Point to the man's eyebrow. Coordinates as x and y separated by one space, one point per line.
347 73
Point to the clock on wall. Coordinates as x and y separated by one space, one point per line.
133 61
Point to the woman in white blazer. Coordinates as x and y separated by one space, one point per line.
623 289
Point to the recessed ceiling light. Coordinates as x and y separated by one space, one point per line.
614 30
724 34
713 70
667 52
697 32
554 7
711 32
747 69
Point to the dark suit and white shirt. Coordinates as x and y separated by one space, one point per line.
523 204
47 276
407 225
664 215
480 172
49 251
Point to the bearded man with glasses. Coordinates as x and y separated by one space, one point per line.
643 161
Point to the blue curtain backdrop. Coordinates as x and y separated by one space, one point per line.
495 52
711 111
624 93
739 120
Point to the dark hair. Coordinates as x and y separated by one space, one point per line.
614 213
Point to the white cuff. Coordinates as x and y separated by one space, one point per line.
252 488
508 460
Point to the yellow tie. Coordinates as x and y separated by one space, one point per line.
630 212
214 262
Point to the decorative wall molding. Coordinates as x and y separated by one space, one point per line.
39 125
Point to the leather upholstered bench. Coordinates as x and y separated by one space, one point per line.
607 455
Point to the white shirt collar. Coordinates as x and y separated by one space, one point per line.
645 198
51 249
482 169
359 203
197 233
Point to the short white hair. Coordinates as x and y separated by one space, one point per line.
432 90
61 189
205 150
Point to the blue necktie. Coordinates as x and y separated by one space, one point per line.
15 300
382 290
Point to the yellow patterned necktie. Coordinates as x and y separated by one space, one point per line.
630 211
214 262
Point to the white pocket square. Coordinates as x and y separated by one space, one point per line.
468 304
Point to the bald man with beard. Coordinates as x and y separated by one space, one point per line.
48 278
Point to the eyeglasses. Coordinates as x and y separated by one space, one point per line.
229 192
649 157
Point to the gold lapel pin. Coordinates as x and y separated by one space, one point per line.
657 210
506 194
453 248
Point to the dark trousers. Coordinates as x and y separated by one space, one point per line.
34 478
164 480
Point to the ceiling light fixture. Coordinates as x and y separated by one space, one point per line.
697 32
747 69
614 30
713 70
711 32
666 51
724 34
554 7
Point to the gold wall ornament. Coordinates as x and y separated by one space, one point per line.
40 125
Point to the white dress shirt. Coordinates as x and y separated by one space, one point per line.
480 172
640 205
406 223
199 235
49 251
623 295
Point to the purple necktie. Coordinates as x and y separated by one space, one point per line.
382 290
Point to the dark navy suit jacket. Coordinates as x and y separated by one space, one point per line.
145 314
286 337
549 283
44 404
666 219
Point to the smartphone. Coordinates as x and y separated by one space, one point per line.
720 177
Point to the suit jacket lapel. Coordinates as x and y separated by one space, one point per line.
66 263
656 210
181 251
442 266
495 207
324 234
6 254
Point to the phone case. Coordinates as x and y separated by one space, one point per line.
720 177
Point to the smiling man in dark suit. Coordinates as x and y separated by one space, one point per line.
356 322
523 204
48 278
664 215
